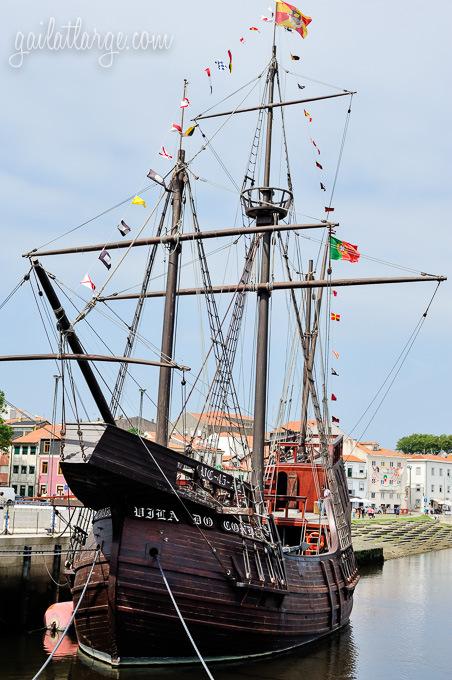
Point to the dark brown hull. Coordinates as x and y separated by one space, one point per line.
127 615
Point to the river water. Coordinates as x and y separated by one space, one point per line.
400 629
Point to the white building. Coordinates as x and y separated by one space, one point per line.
429 481
386 476
356 472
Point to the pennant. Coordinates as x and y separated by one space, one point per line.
242 40
333 372
335 420
295 57
209 75
322 186
335 317
307 115
184 103
254 28
264 18
105 258
86 281
334 293
230 61
189 131
290 17
341 250
176 128
314 144
164 153
336 355
155 177
333 397
328 210
318 165
123 228
221 66
137 200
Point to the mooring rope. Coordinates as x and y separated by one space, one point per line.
52 653
204 665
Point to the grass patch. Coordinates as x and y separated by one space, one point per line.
391 519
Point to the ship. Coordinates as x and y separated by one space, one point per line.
181 558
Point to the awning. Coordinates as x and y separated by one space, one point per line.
366 501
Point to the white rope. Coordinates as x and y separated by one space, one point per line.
51 655
204 665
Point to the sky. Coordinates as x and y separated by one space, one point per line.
78 136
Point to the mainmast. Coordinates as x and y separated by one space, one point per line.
266 205
169 315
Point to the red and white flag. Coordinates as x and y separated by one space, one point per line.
163 152
264 18
176 128
184 103
335 354
242 40
86 281
254 28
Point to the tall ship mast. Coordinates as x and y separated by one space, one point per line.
192 557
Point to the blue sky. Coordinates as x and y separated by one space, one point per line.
77 138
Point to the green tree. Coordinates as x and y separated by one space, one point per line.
424 443
6 432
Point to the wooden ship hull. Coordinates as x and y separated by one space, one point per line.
239 594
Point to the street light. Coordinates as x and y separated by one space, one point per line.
409 489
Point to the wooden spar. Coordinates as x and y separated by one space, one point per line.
273 105
66 329
265 216
90 357
279 285
169 314
190 236
308 340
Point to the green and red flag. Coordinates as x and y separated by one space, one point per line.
341 250
291 18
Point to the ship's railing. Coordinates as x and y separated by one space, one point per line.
281 502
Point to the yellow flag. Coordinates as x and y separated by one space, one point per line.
138 201
189 131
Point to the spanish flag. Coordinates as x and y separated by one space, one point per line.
335 317
137 200
291 18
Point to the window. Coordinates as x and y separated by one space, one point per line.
372 495
432 488
418 487
59 490
399 464
23 469
391 482
448 489
33 450
60 471
391 463
25 450
448 472
31 470
361 470
15 469
382 463
441 472
22 490
44 467
31 491
418 471
16 450
433 471
361 486
46 446
440 489
349 472
43 489
382 494
391 495
374 462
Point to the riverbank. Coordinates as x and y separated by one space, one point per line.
401 536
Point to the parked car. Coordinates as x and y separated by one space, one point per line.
7 495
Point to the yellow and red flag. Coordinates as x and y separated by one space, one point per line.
290 17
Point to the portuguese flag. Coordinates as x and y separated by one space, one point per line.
341 250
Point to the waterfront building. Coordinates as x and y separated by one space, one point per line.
4 468
356 470
429 482
203 424
386 474
28 455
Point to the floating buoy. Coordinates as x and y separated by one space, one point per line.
58 615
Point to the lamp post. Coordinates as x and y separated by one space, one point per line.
409 489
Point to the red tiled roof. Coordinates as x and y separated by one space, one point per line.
353 459
35 436
383 453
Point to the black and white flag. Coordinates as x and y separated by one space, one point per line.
123 228
105 258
